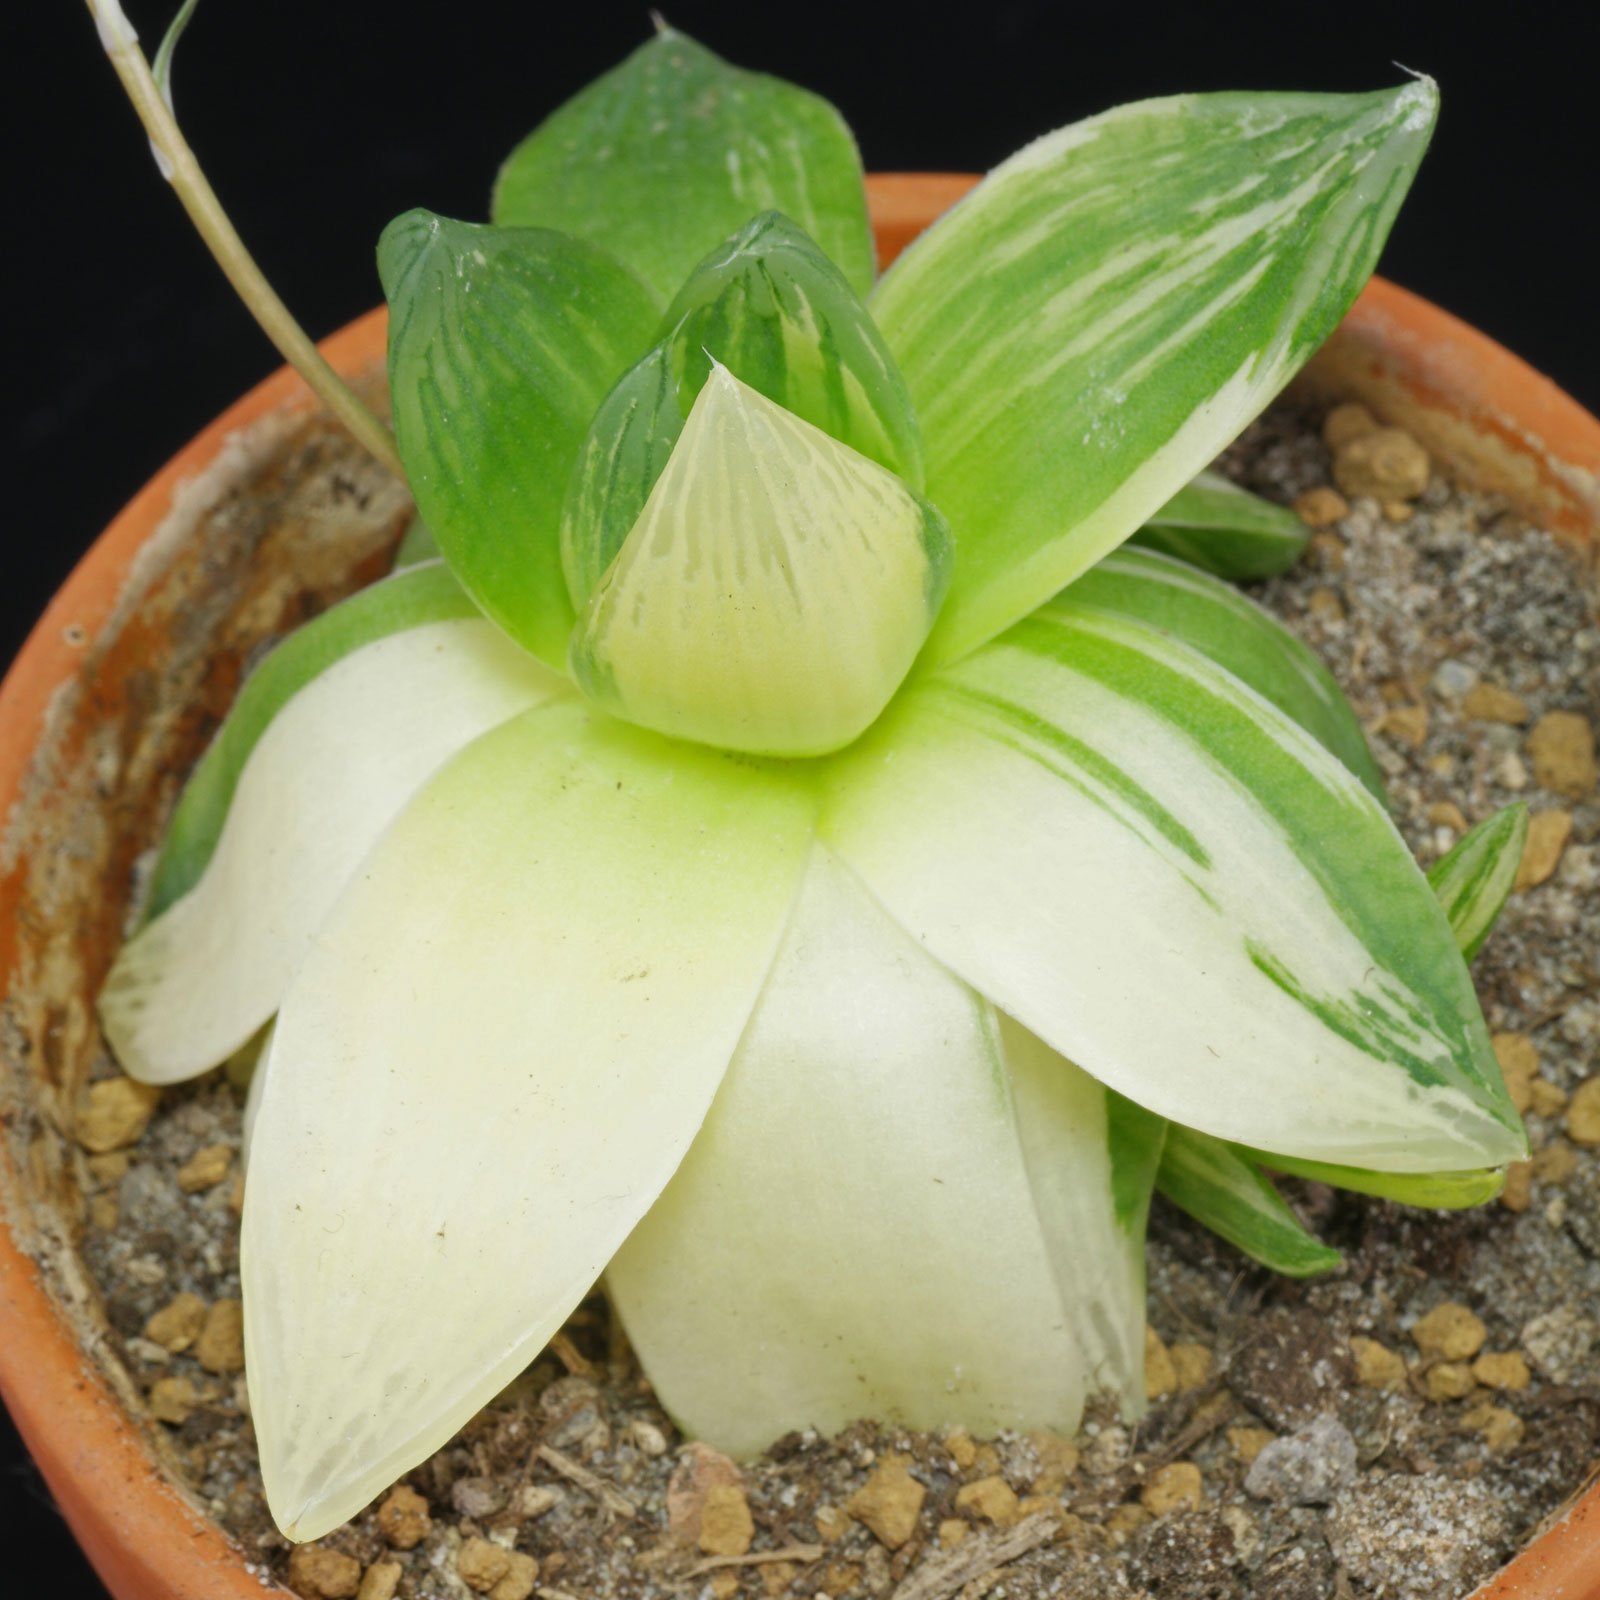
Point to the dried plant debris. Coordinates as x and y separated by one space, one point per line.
1394 1429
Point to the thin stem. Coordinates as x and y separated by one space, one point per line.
182 171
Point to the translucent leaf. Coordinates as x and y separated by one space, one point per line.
502 343
900 1207
1225 1191
1237 634
1173 885
1086 330
1226 531
769 306
492 1060
329 739
673 149
774 592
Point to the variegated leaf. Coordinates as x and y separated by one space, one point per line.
774 591
797 1271
1087 329
1237 634
1225 530
769 306
502 342
493 1058
1225 1191
1473 880
674 149
330 737
1148 865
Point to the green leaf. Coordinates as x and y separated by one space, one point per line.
161 67
774 592
769 306
1173 885
1087 329
1236 634
502 343
674 149
757 1311
490 1063
1225 530
1474 879
1227 1193
330 737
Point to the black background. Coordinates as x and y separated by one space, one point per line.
318 120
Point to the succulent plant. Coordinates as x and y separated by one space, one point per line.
780 847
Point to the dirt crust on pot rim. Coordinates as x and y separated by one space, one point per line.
1395 1429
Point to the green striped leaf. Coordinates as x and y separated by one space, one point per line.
1237 634
1226 1192
502 343
1172 884
1087 329
772 309
674 149
330 738
1002 1184
625 451
1473 880
394 605
1471 883
1225 530
774 591
491 1061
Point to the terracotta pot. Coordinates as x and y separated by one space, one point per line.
1499 425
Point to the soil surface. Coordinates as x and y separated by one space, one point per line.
1395 1429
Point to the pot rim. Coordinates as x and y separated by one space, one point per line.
1464 394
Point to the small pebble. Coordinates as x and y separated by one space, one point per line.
220 1346
320 1574
989 1500
1346 422
481 1564
205 1169
1174 1487
114 1113
477 1498
1583 1114
380 1581
1517 1195
1160 1376
1505 1370
1502 1429
403 1518
1387 464
1561 747
1321 507
1058 1462
177 1324
1488 702
1450 1332
1447 814
1450 1380
1307 1468
1191 1366
1548 833
1556 1163
1558 1343
952 1530
1409 724
1248 1443
1377 1366
173 1400
726 1526
889 1502
1452 679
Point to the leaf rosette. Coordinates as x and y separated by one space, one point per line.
770 847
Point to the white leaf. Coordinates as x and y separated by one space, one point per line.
505 1037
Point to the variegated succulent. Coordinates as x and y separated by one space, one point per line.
785 851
